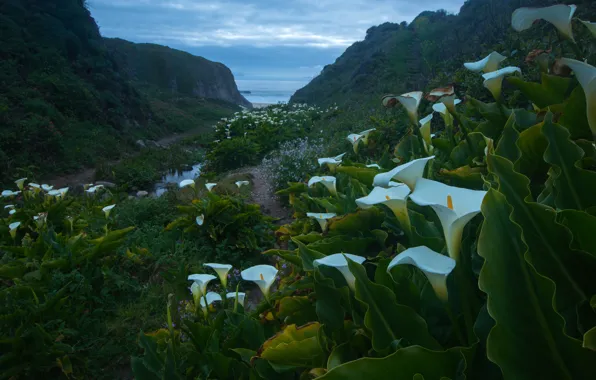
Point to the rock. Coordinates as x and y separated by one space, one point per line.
107 184
130 197
142 194
140 144
153 144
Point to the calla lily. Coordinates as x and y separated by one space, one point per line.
436 267
40 219
440 108
93 189
365 134
9 206
410 101
107 210
210 186
354 138
242 183
559 15
20 183
445 95
407 173
12 212
395 198
425 128
331 162
9 193
221 270
187 182
322 218
34 186
591 26
200 220
241 297
340 262
376 166
46 187
201 281
13 227
586 76
488 64
208 300
494 81
54 193
63 191
327 181
262 275
454 206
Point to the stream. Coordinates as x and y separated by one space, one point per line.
175 177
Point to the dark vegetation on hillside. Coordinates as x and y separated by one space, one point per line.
430 51
65 103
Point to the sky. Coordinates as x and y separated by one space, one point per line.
261 41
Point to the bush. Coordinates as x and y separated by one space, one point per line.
232 153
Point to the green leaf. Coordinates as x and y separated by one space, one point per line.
532 144
574 185
527 341
307 255
548 241
385 318
295 188
507 143
403 364
141 371
492 113
328 303
552 90
574 116
295 346
408 148
364 175
590 339
464 176
341 354
342 243
583 227
357 223
296 310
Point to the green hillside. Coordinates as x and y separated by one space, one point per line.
64 101
430 51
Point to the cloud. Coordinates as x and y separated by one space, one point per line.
322 24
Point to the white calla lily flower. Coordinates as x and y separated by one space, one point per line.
54 193
221 270
10 193
339 262
376 166
187 182
327 181
210 186
200 220
494 81
262 275
240 295
46 187
436 267
40 219
207 300
425 128
488 64
445 95
13 227
93 189
322 218
12 212
410 101
331 162
586 76
354 138
242 183
365 134
106 210
34 186
559 15
200 283
396 198
591 26
454 206
9 206
447 117
63 191
407 173
20 183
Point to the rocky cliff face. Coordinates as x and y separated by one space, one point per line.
175 70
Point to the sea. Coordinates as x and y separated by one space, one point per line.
269 91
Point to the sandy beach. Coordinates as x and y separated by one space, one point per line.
261 105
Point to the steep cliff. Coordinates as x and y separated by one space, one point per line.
175 70
430 51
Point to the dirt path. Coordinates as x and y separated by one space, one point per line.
88 175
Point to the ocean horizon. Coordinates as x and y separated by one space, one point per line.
269 91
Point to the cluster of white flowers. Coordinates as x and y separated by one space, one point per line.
275 115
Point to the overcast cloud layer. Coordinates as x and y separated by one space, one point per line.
263 39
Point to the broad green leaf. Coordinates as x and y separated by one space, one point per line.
387 320
583 227
574 185
408 148
527 341
364 175
342 243
357 223
552 89
295 188
403 364
307 255
590 339
425 232
464 176
342 353
574 116
328 303
295 346
141 371
532 144
507 143
296 310
492 112
290 256
548 241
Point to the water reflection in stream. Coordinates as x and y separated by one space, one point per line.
175 176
